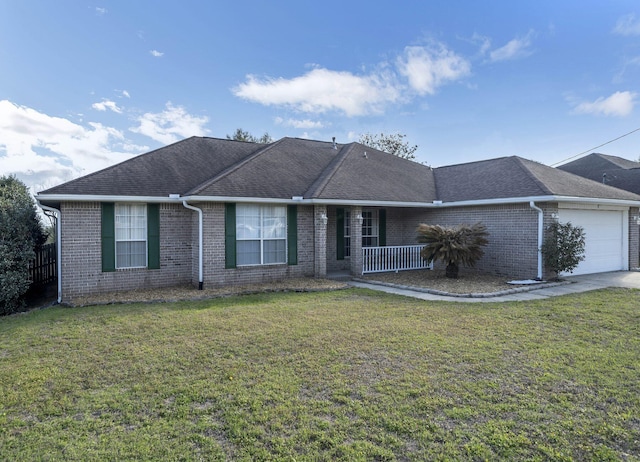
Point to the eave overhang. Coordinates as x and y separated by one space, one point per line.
175 198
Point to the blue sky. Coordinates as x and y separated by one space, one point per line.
84 85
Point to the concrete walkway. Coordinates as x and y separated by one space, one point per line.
573 284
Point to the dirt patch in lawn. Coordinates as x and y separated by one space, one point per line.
468 282
177 293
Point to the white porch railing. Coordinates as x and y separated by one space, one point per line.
392 258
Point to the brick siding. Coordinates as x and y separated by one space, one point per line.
82 259
512 250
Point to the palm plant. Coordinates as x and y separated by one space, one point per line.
454 246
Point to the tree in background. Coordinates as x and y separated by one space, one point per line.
20 234
454 246
563 247
393 144
242 135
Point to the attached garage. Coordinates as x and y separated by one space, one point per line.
606 238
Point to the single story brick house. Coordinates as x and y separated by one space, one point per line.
214 212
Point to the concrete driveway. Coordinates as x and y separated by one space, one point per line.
628 279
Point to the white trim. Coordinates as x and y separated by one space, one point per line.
569 205
145 240
540 236
200 243
343 202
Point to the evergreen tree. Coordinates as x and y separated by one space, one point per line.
20 234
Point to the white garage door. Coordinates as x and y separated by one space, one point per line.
605 236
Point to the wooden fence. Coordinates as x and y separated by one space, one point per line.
43 268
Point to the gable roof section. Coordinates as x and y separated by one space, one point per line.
364 173
209 167
280 170
173 169
611 170
514 177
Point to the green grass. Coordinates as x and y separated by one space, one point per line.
347 375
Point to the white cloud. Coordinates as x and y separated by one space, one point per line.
100 11
627 25
156 53
45 150
428 68
106 104
483 42
619 104
619 77
516 48
125 93
302 124
322 90
170 125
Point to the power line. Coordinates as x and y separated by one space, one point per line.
599 146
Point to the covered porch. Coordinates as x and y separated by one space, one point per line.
360 240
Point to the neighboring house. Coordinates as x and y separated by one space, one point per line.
215 212
610 170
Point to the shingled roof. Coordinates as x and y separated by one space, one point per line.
611 170
512 177
213 168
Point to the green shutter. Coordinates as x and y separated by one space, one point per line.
292 234
382 227
230 235
108 235
340 233
153 236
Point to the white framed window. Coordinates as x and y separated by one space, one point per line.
261 234
131 235
370 229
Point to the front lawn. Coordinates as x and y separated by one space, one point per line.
346 375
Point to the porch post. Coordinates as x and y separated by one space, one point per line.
320 240
356 241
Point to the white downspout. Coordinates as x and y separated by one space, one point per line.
200 242
58 215
540 236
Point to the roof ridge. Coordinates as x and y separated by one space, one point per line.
621 163
323 179
233 168
532 175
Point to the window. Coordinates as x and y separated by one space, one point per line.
131 235
347 233
370 228
261 234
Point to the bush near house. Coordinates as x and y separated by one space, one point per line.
20 234
454 246
563 248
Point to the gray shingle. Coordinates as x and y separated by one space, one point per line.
315 170
611 170
173 169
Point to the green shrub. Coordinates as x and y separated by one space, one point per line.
563 247
20 234
454 246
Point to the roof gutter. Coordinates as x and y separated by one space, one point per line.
362 203
540 236
58 214
200 243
